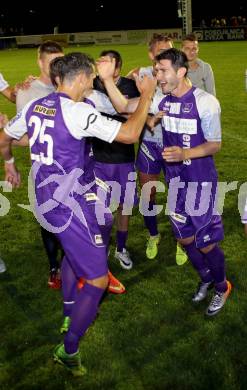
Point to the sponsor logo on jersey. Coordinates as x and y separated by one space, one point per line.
48 102
98 239
175 108
187 107
102 184
44 110
206 238
90 120
145 150
186 145
178 217
91 196
180 125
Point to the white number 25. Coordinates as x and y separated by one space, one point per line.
39 134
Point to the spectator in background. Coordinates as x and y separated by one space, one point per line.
200 73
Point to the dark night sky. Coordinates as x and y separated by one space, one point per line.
41 17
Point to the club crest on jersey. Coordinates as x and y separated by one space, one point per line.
178 217
98 239
187 107
175 108
206 238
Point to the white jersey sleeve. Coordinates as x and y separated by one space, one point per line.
209 111
17 126
82 120
154 107
102 102
3 83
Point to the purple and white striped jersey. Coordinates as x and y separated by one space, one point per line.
189 121
57 128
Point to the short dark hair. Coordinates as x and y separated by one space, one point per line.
49 47
177 57
69 66
114 54
190 37
158 37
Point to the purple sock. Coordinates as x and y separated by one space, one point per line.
198 262
84 312
105 229
121 240
216 263
151 221
69 286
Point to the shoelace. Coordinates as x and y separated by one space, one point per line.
217 299
151 243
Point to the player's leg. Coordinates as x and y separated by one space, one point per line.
86 255
148 198
149 163
200 265
83 314
69 290
52 247
216 262
121 253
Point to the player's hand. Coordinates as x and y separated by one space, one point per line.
155 119
3 120
12 175
146 84
173 154
25 84
106 66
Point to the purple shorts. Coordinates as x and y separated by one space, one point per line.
192 213
116 183
84 239
149 158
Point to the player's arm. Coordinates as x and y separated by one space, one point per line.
83 120
130 131
14 129
106 68
209 81
176 154
3 120
12 175
132 73
9 93
23 141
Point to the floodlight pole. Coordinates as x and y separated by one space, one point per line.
185 12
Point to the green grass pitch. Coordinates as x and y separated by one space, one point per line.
152 337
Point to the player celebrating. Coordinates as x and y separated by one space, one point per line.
57 126
192 134
116 161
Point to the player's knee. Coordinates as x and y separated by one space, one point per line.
207 249
186 241
101 282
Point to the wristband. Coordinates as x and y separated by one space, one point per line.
10 161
